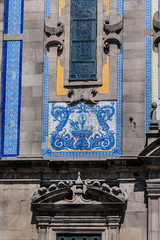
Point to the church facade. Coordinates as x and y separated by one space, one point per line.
80 114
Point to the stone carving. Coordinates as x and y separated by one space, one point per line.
87 95
112 38
53 34
110 28
156 26
112 31
50 29
38 193
54 41
88 190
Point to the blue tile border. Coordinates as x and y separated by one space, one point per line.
148 14
148 79
148 64
118 150
13 18
11 98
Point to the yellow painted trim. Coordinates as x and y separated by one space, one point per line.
106 2
60 79
105 86
62 4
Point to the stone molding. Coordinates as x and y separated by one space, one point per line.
153 194
80 206
88 190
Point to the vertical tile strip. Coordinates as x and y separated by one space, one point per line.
13 23
119 92
11 95
148 79
148 63
45 92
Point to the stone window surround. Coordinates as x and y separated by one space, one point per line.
65 18
79 207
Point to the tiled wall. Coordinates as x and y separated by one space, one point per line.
11 78
99 126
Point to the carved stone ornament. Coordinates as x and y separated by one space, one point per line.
113 34
156 21
79 205
51 28
87 95
54 41
113 27
156 26
113 38
156 41
53 32
73 192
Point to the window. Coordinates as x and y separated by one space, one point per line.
83 40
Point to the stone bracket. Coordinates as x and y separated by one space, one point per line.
50 27
115 26
112 38
54 41
87 95
113 34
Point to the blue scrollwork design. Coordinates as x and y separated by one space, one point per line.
76 133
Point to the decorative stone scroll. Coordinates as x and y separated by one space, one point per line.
50 29
87 95
113 30
53 34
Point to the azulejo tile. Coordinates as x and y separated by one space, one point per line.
13 22
11 94
82 130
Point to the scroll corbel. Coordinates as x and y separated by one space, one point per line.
54 41
112 38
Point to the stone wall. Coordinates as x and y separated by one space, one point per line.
15 214
32 78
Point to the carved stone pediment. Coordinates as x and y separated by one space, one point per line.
80 193
78 206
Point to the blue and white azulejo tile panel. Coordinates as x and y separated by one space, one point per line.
82 127
13 20
151 65
82 130
11 97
